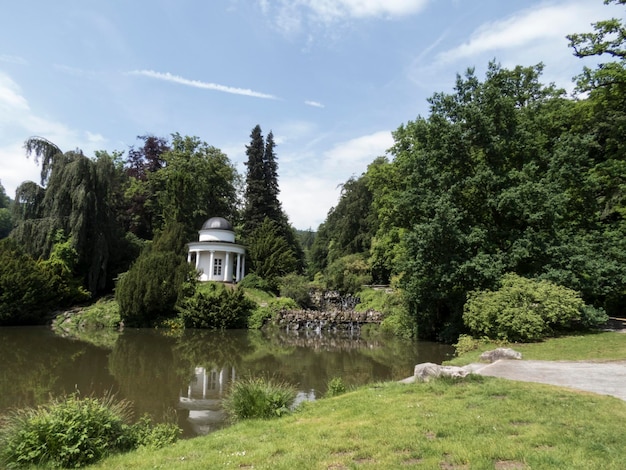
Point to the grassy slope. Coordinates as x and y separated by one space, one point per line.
478 423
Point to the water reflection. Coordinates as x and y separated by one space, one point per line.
184 376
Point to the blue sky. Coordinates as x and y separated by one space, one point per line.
331 78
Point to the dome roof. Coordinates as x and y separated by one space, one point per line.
217 223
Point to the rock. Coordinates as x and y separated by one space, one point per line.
500 353
427 370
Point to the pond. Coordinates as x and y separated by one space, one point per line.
184 375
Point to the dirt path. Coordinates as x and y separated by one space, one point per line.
605 378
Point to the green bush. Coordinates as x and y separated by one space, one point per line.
525 310
335 387
263 314
216 308
261 398
295 287
254 281
348 274
150 289
74 432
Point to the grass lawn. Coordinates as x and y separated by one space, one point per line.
600 346
476 423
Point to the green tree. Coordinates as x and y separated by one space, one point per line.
79 199
217 308
269 254
157 281
197 181
26 292
261 199
6 221
495 183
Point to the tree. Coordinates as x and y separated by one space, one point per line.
26 293
198 181
269 254
140 204
6 221
261 198
156 282
495 182
79 199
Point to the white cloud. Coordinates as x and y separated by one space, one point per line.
355 154
12 59
307 199
168 77
548 25
290 15
315 104
330 10
307 195
18 122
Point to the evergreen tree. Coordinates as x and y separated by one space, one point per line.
261 198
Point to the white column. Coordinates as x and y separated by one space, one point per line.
211 261
227 267
243 266
197 259
238 268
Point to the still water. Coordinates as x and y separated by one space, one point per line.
183 376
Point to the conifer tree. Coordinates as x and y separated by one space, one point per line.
261 195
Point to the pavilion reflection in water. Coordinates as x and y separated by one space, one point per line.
203 398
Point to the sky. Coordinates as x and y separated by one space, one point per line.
332 79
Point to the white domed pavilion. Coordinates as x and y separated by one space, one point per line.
216 255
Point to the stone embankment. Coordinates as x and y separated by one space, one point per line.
345 321
331 312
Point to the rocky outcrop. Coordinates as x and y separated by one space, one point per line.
500 353
331 320
428 370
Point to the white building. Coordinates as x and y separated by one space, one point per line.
216 255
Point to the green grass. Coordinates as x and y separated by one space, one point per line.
600 346
477 423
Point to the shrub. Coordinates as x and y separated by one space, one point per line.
524 310
254 281
73 432
263 314
262 398
151 288
335 387
296 287
216 308
348 274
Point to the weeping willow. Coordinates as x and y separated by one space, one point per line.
76 197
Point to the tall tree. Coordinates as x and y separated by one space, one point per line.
261 196
197 181
77 199
140 200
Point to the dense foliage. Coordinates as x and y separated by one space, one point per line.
505 175
75 432
216 308
527 310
